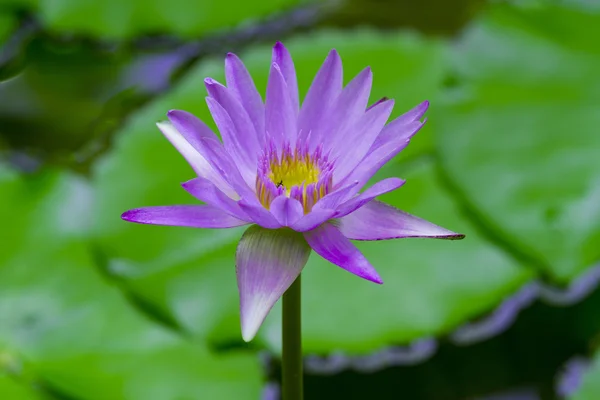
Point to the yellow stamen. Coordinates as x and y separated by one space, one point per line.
293 171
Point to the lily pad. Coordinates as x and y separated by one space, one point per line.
7 25
75 330
126 19
189 273
10 389
518 136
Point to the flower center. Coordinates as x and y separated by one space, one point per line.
293 171
297 173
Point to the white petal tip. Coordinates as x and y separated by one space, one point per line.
249 331
248 337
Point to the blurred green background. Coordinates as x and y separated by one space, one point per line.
93 308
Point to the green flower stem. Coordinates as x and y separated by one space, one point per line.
292 343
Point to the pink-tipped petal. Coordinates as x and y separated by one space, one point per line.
184 215
258 214
282 57
380 221
242 86
206 191
267 263
281 123
235 144
381 187
328 242
320 97
286 210
191 151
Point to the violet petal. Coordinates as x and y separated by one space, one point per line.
380 221
282 57
196 216
259 214
381 187
280 115
377 158
347 109
396 127
318 101
238 114
198 161
338 196
332 245
226 166
286 210
235 143
206 191
242 86
352 148
313 219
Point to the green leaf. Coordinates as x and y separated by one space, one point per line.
180 371
7 25
518 137
10 389
189 273
126 19
75 330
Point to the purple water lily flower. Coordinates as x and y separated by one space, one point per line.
293 173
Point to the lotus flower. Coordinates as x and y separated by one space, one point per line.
294 174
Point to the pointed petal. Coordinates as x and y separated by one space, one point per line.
381 100
241 84
241 120
222 161
356 144
380 221
328 242
280 114
318 101
286 210
313 219
235 144
395 128
282 57
378 157
335 198
190 126
381 187
348 108
267 263
184 215
259 214
205 191
190 150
